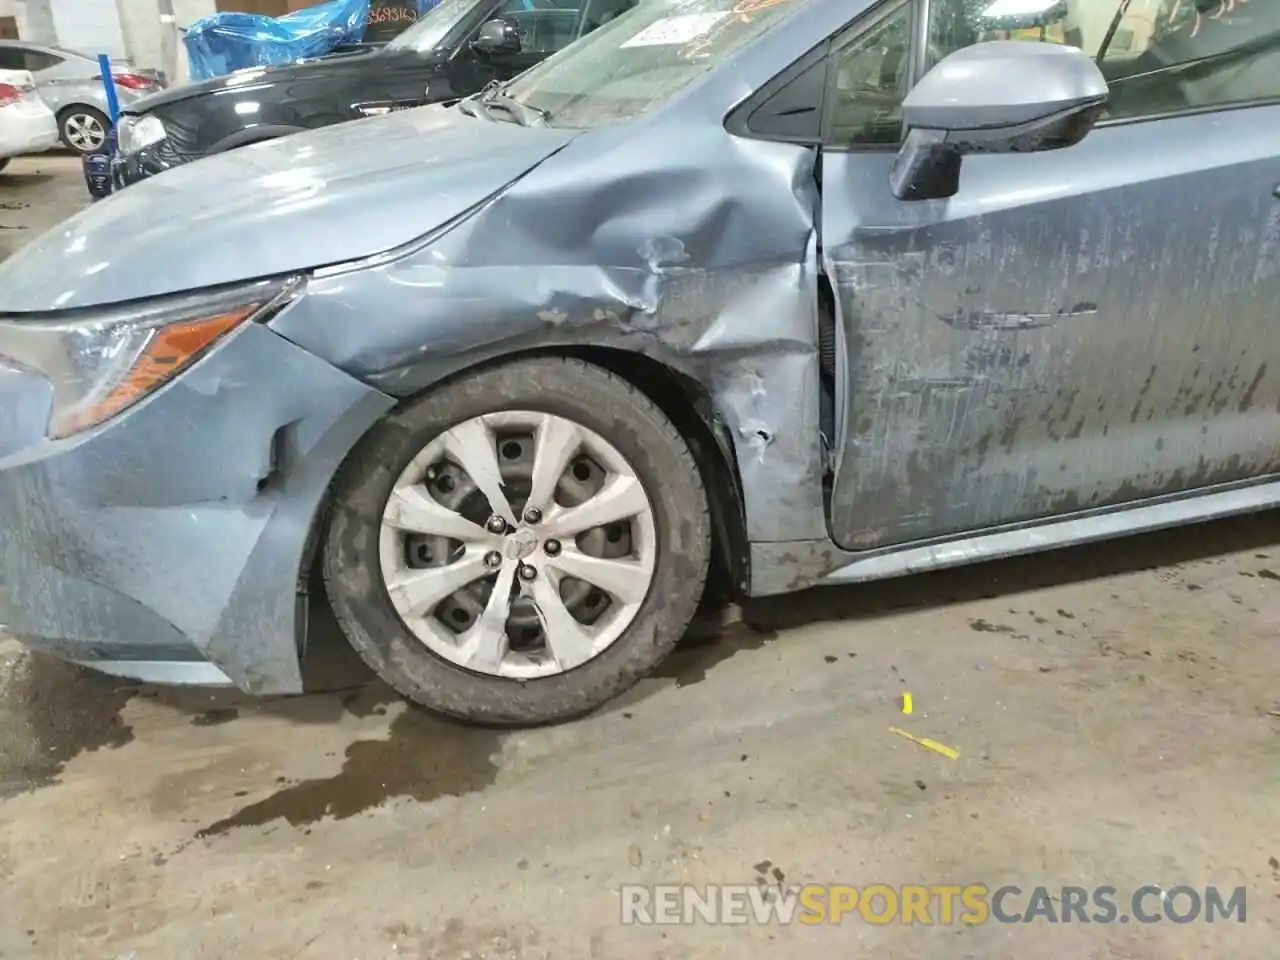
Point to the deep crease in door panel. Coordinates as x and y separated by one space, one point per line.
1052 341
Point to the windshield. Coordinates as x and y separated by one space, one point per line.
642 58
426 34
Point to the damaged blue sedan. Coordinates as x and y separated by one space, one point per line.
775 293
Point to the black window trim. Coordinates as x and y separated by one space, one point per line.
920 41
736 121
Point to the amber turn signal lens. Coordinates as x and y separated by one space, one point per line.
171 350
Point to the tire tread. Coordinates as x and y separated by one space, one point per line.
524 707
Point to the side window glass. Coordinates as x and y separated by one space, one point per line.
869 80
544 27
11 59
1159 56
596 13
36 61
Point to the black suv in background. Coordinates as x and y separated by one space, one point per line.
454 51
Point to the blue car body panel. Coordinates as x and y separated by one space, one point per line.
109 560
1073 333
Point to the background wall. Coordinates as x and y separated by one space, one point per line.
34 18
143 31
89 25
127 28
17 12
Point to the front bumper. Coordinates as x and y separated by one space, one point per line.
170 543
27 129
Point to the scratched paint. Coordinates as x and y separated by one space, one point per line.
1104 344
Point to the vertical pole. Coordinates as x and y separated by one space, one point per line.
113 104
168 41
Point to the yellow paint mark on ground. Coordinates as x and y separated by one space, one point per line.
949 752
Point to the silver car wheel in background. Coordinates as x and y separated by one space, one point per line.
518 544
84 132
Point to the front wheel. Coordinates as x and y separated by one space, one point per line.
520 546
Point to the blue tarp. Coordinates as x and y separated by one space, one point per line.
224 42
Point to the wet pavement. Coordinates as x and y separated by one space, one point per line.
35 194
1115 710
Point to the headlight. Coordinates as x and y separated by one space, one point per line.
103 361
134 133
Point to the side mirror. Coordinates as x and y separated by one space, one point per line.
497 38
1004 96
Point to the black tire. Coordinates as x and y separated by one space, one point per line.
68 117
592 397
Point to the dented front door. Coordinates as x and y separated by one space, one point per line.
1078 329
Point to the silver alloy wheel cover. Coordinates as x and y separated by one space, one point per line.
483 647
85 132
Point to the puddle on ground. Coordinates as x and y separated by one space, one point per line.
216 717
371 700
422 759
979 625
50 712
694 656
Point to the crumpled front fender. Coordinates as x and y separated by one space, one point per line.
708 266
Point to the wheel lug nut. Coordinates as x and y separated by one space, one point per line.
527 572
493 559
533 515
495 524
551 547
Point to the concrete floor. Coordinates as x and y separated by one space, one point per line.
1115 709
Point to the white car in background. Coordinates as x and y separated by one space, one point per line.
26 124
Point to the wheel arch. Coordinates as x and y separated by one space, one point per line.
689 406
80 105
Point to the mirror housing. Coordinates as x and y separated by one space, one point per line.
1003 96
497 37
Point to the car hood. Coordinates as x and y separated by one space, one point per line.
255 78
309 200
